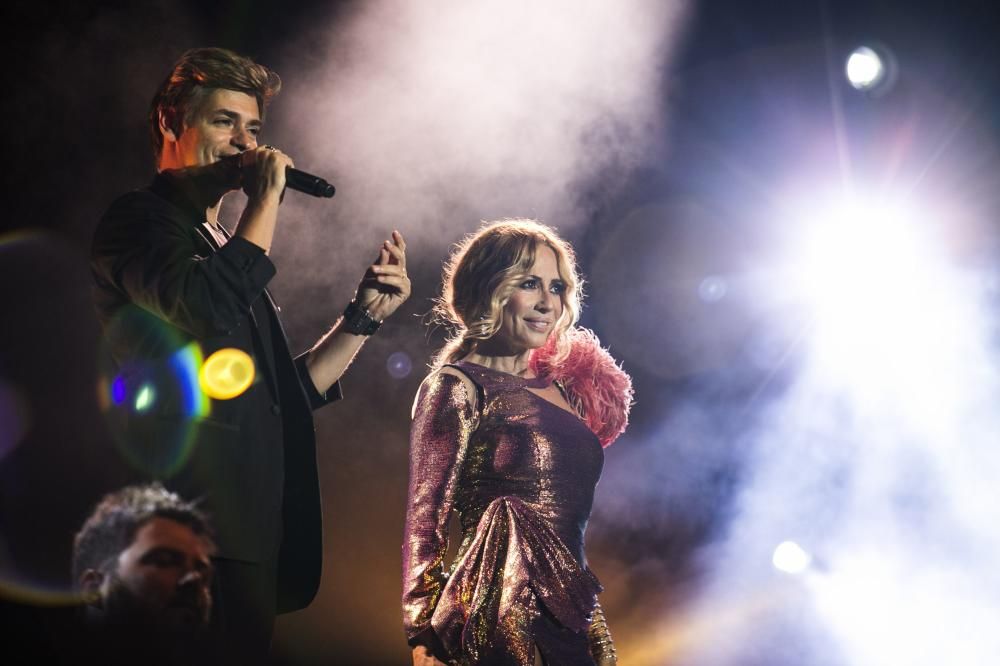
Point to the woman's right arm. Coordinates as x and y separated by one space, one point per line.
443 421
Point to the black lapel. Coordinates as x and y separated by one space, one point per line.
268 370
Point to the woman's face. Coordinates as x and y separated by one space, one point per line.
535 305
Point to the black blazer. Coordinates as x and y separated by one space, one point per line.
168 296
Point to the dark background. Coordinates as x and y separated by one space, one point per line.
751 83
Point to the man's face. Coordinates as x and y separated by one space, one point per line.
223 123
164 576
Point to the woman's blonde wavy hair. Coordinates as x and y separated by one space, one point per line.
483 271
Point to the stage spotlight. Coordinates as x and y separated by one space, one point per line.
791 558
868 272
871 69
887 319
865 68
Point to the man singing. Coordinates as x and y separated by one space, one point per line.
171 281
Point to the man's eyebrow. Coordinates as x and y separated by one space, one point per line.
162 550
174 552
235 115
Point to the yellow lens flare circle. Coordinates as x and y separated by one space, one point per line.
226 374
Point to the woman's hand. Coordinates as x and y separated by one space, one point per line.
423 657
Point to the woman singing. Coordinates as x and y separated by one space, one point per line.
508 431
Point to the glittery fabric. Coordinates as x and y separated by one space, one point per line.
520 472
602 648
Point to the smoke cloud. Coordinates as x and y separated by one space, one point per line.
432 116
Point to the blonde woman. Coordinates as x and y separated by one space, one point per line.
508 432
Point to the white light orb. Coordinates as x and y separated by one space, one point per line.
865 68
790 558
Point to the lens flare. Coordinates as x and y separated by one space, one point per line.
16 588
118 391
399 365
145 398
186 365
21 584
226 374
153 404
14 418
712 289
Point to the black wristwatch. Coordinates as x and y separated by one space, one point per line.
358 320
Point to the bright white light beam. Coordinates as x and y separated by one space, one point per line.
865 69
891 318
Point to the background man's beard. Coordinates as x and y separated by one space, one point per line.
182 618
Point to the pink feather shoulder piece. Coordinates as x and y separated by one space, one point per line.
594 382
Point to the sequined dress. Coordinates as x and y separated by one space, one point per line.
520 472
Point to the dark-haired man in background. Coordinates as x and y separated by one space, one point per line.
168 275
142 562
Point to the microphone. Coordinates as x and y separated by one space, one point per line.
297 180
300 181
